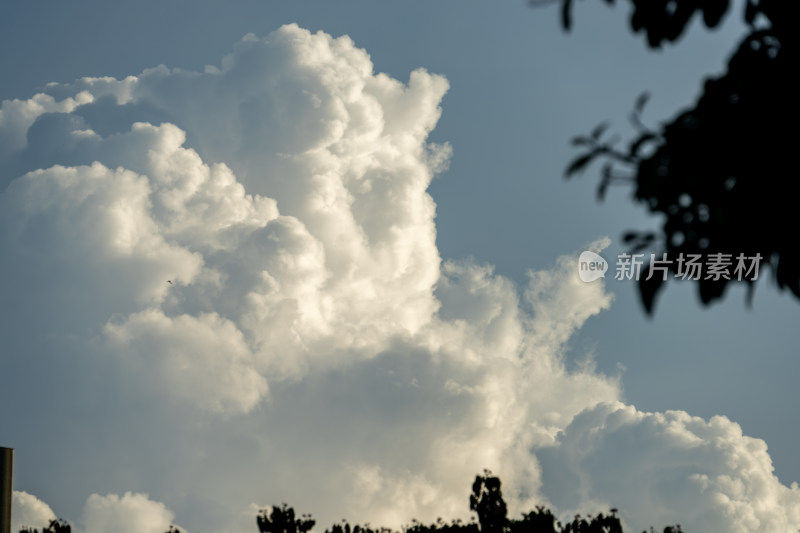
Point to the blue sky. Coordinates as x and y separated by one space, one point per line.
517 89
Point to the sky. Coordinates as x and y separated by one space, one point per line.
372 264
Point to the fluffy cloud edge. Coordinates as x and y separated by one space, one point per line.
355 227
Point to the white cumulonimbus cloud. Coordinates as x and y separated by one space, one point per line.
243 303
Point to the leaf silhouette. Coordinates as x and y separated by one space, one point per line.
648 289
581 162
566 14
641 101
599 129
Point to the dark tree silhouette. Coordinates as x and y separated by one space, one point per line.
486 500
282 520
55 526
722 173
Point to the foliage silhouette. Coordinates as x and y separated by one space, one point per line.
486 500
55 526
721 173
282 520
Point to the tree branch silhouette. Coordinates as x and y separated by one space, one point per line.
722 173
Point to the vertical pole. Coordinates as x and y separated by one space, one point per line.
6 476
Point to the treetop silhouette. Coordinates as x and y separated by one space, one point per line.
486 500
722 173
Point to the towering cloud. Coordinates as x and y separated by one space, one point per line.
222 289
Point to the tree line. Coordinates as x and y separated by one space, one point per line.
485 499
